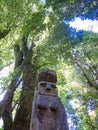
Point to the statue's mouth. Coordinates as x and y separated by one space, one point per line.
47 100
48 94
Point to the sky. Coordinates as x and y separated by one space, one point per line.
87 25
3 73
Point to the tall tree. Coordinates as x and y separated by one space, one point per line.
33 35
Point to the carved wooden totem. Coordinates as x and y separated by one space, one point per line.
48 112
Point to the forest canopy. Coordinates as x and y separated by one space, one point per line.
34 36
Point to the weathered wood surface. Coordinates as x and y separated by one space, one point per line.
48 112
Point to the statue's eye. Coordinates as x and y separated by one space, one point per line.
43 84
53 85
53 109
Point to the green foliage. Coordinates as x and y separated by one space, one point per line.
44 26
74 8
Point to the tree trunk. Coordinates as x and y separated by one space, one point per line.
23 112
23 65
6 103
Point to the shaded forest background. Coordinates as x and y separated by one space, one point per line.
34 35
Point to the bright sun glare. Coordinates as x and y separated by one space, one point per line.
87 25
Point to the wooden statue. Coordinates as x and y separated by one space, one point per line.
48 112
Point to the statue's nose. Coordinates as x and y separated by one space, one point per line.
48 87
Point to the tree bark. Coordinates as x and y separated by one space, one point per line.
6 103
24 66
23 112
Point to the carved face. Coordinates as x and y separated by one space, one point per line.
47 88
